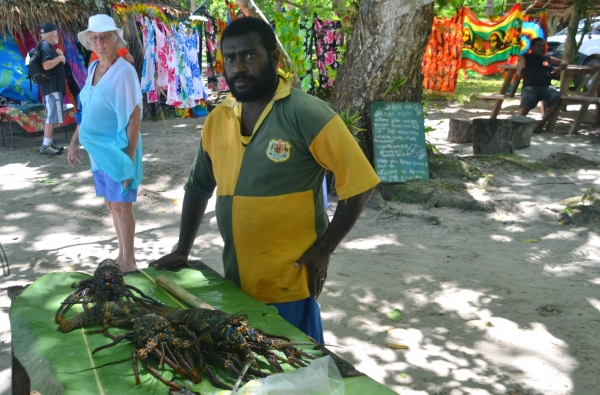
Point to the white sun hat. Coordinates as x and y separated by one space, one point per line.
99 24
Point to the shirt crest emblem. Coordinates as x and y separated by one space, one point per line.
278 150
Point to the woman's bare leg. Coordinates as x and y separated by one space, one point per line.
124 221
117 229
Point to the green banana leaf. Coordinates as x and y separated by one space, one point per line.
61 363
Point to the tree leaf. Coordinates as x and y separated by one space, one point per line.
397 346
396 315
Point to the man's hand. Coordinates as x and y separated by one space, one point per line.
317 262
173 260
59 52
556 71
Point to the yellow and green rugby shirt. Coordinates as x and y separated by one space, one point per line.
270 206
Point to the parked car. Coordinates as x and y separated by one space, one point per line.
561 36
589 52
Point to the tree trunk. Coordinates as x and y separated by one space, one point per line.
383 48
570 44
489 8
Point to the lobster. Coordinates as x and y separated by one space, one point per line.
106 285
154 335
107 314
229 339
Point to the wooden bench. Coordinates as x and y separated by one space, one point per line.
585 102
580 99
490 96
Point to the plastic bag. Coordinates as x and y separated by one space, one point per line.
321 377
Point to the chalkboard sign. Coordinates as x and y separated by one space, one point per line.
399 141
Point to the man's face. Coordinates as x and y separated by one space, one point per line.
538 48
494 42
250 71
466 36
52 37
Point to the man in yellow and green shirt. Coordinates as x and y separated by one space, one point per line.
266 148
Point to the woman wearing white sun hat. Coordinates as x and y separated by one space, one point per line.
110 130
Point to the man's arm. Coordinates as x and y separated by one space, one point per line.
50 64
316 258
518 75
562 64
192 213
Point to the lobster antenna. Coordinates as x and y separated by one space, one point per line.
101 366
242 374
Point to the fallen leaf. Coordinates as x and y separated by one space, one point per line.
403 375
73 183
395 331
397 346
561 223
396 315
47 181
175 152
479 323
530 240
160 211
175 202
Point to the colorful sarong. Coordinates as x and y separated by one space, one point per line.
535 24
14 83
441 61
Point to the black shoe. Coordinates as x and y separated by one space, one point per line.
49 150
56 147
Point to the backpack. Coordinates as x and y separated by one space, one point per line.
37 74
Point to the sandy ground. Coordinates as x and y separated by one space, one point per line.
502 302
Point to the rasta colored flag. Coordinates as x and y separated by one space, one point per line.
487 45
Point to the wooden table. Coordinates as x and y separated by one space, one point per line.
577 97
31 120
569 97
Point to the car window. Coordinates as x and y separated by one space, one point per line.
594 27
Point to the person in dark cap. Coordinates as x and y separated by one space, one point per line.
53 61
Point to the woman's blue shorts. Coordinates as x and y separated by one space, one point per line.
111 190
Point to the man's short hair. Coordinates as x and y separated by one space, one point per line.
245 25
536 40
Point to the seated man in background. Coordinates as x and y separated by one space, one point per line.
537 71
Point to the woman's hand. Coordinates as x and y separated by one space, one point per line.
74 154
126 183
